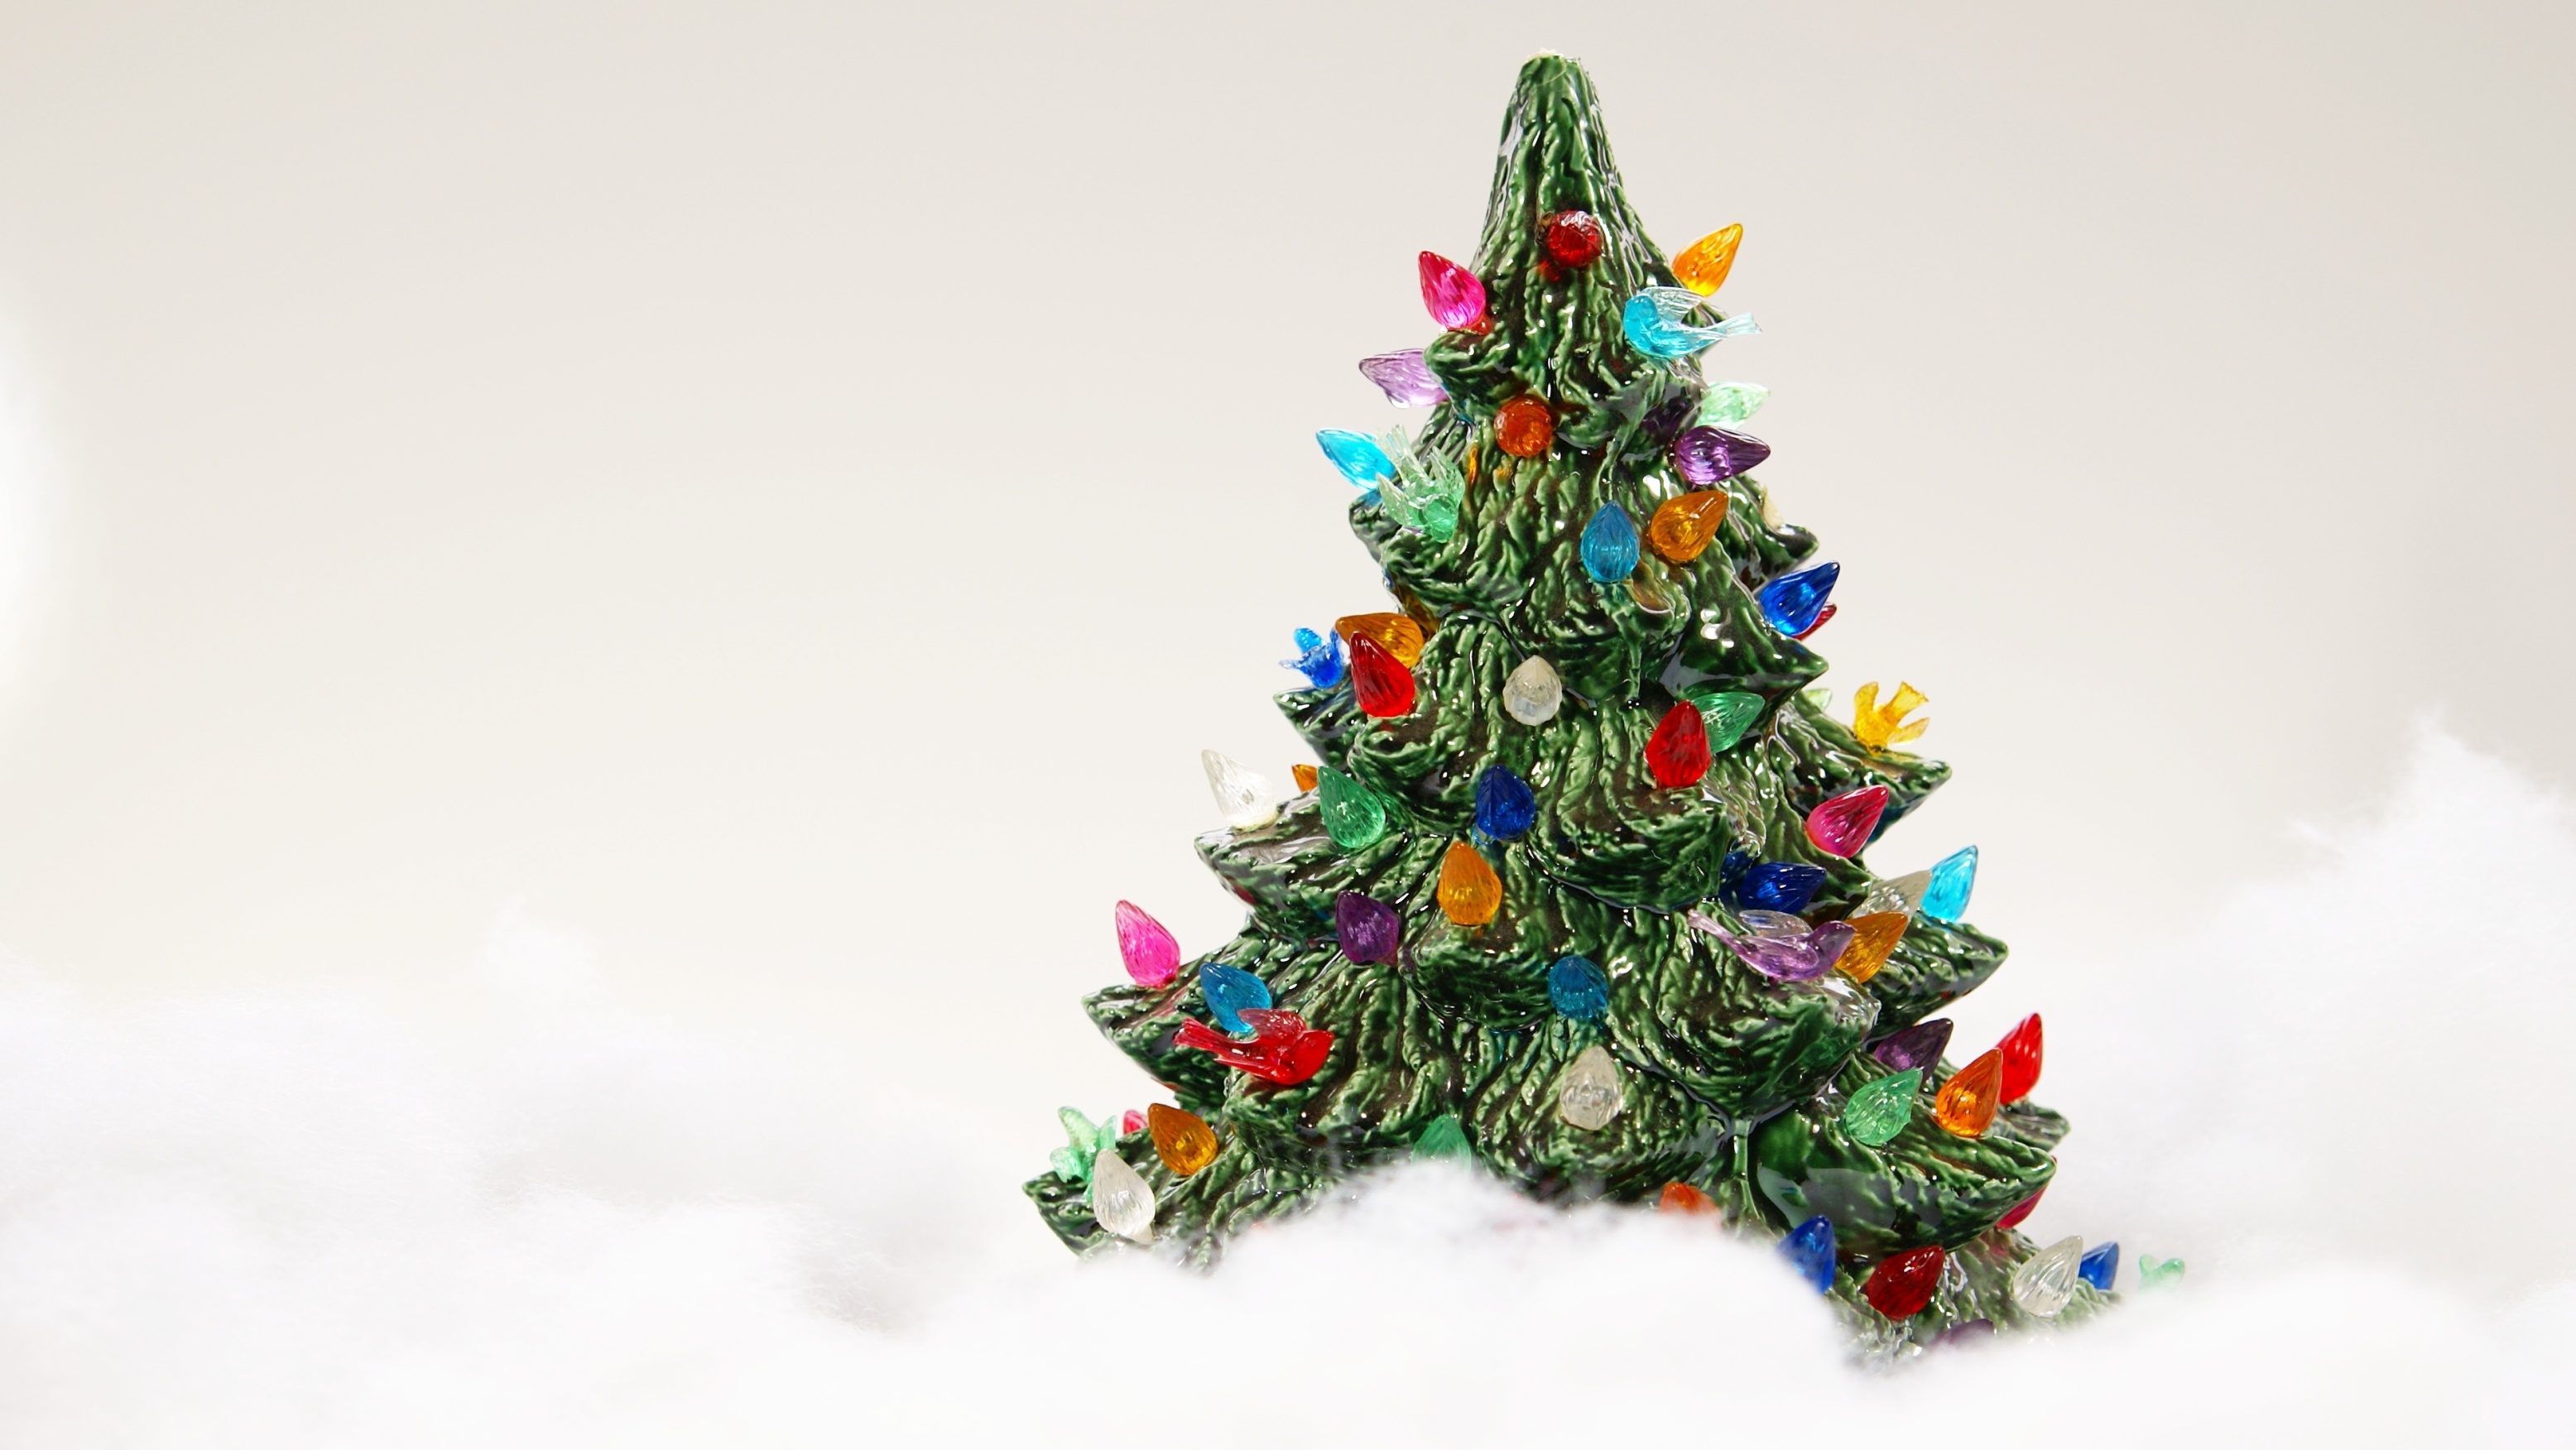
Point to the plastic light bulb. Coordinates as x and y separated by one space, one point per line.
1966 1103
1122 1200
1357 456
2020 1051
1879 726
1792 602
1610 545
1824 617
1182 1139
1810 1249
1131 1121
1874 939
1702 266
1380 682
1319 659
1505 805
1902 1284
1451 293
1592 1091
1229 992
1780 885
1677 753
1404 378
1353 815
1705 455
1900 894
1917 1046
1682 527
1727 714
1152 955
2021 1210
1470 894
1679 1197
1525 427
1840 825
1573 238
1726 403
2046 1280
1242 797
1879 1110
1532 692
2154 1272
1399 634
1953 877
1578 989
1367 928
1445 1138
2101 1267
1305 775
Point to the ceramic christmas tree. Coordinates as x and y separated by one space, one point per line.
1576 889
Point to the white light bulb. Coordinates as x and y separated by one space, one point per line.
1121 1199
1533 692
1593 1090
2044 1284
1242 797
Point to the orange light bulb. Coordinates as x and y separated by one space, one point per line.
1397 634
1966 1103
1470 893
1305 775
1683 527
1523 427
1702 266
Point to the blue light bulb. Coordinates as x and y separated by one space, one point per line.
1810 1249
1578 989
1610 545
1228 991
1505 805
1946 899
2101 1266
1357 456
1792 601
1779 886
1319 659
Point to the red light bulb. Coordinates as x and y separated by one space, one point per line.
2020 1049
1899 1287
1574 238
1380 680
1678 750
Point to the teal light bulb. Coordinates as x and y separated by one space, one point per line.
1946 899
1610 545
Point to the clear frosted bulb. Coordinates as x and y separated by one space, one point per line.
1592 1091
1899 894
2043 1285
1242 796
1533 692
1121 1199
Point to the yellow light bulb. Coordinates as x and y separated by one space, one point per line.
1702 266
1682 527
1880 726
1873 937
1400 636
1185 1141
1470 893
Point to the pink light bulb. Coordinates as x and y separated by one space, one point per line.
1455 297
1152 955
